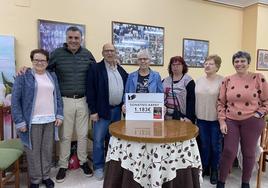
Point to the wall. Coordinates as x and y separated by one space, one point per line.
262 31
249 35
221 25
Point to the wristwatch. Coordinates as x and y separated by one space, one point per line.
261 115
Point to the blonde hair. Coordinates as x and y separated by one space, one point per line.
216 59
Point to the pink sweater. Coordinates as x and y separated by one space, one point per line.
241 97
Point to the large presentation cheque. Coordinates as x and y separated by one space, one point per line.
144 106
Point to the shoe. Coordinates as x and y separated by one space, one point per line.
86 170
220 184
245 185
206 172
34 185
99 174
61 175
49 183
214 177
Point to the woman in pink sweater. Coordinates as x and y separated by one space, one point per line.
242 104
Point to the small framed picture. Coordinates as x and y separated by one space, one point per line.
262 60
52 35
130 38
195 52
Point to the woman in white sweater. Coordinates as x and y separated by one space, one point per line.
206 92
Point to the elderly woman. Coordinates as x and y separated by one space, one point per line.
179 91
144 80
242 104
206 95
36 110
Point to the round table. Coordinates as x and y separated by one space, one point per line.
161 154
153 131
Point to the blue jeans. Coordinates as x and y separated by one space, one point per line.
100 133
211 143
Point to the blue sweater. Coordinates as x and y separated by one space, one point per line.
155 83
23 101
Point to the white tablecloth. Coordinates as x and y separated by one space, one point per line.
154 164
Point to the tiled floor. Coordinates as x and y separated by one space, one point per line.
75 178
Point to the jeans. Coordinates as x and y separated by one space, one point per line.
211 143
100 133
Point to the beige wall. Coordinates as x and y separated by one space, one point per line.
250 16
262 32
221 25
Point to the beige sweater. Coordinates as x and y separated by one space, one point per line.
206 95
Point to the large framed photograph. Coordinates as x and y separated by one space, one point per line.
195 52
262 59
130 38
52 35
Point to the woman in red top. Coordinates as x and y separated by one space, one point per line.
242 104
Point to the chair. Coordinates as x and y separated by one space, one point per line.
264 153
5 110
10 153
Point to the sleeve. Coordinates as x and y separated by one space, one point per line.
127 87
91 88
52 62
263 94
16 101
221 103
91 58
159 85
59 113
190 101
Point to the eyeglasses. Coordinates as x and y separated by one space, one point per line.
109 51
40 61
176 64
143 59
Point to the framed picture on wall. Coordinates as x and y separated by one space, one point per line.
195 52
52 35
130 38
262 59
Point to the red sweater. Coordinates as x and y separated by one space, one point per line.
241 97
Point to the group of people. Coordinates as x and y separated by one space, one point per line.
71 88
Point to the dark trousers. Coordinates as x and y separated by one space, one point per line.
247 132
40 157
210 143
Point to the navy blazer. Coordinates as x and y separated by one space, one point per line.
98 89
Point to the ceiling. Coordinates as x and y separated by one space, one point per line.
240 3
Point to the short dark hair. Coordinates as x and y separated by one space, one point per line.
242 54
39 51
74 28
179 59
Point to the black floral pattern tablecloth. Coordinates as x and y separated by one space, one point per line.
154 164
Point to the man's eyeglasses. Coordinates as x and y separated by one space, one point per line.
40 61
109 51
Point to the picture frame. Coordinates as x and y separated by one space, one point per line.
195 52
52 34
130 38
262 60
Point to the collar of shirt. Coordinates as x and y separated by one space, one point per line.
109 66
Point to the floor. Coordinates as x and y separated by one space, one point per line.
75 178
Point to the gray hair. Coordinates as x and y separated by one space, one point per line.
74 28
144 53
